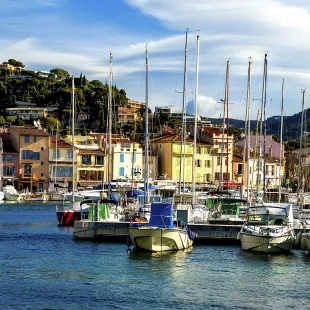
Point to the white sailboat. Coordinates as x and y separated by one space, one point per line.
161 233
268 228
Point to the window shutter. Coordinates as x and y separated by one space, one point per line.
4 171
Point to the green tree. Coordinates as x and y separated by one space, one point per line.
2 121
16 63
59 74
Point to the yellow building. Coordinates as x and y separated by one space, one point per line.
60 163
33 146
90 160
171 160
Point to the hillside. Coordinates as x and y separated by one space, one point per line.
291 125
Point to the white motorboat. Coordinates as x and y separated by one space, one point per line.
10 192
268 229
160 234
1 195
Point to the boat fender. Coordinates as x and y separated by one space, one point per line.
238 236
303 244
191 235
129 243
298 237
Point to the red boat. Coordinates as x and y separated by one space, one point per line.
68 213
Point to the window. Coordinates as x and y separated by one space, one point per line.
34 139
121 171
82 174
217 176
62 171
27 170
92 175
70 154
41 187
42 163
208 163
27 154
218 160
121 158
42 174
198 163
100 175
9 171
99 160
56 154
86 160
26 139
239 169
9 158
42 148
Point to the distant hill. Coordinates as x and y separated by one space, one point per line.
291 125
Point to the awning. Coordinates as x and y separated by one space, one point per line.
90 183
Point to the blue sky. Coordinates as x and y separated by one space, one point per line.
78 35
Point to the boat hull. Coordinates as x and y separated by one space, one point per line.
305 242
155 239
11 197
267 243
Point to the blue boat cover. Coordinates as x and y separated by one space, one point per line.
161 215
134 193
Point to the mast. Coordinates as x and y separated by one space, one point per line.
110 129
281 141
73 129
222 145
195 125
300 142
146 134
249 130
265 125
261 131
227 95
133 158
56 153
183 135
246 137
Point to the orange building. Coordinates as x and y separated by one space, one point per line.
33 146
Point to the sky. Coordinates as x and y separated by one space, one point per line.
78 36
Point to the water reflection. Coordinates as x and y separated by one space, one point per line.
136 254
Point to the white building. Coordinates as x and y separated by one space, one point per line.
127 159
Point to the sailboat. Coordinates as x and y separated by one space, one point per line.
268 227
161 233
67 213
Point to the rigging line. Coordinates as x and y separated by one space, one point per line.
258 81
177 82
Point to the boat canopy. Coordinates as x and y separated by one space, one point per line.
272 209
134 193
161 215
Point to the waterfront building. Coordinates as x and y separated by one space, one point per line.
60 163
90 160
171 159
222 149
9 160
125 115
27 112
33 146
126 156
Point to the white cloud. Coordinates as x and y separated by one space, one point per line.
229 29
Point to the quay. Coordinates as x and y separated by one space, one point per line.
118 231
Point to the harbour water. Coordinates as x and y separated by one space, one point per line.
42 267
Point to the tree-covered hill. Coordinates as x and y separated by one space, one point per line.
54 90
